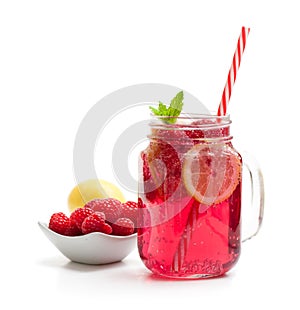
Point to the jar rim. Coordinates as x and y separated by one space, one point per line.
186 115
191 120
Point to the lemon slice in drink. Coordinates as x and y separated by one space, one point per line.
89 190
211 172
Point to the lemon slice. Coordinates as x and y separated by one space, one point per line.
211 172
89 190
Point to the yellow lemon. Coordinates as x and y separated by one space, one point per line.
91 189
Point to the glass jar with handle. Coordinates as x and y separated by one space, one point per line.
190 185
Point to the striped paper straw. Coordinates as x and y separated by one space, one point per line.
233 71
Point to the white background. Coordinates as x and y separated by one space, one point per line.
58 58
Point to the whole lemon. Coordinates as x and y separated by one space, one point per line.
91 189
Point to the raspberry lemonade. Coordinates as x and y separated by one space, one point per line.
189 197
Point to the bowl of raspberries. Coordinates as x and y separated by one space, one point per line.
102 231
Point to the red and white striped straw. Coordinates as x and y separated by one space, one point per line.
233 71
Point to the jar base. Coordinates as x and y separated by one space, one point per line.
187 276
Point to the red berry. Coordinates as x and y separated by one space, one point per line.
123 227
109 206
78 216
95 223
101 214
130 210
165 164
107 229
197 130
59 223
73 230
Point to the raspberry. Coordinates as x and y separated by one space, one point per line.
101 214
109 206
171 136
107 229
197 130
78 216
130 210
165 165
59 223
73 230
123 227
95 223
195 133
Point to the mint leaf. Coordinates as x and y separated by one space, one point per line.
173 110
161 111
177 103
154 111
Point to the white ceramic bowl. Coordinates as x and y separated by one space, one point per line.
94 248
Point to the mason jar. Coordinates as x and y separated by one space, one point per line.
190 186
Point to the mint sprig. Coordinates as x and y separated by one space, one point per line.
173 111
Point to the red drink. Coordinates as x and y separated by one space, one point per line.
190 199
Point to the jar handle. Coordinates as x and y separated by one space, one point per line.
257 191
